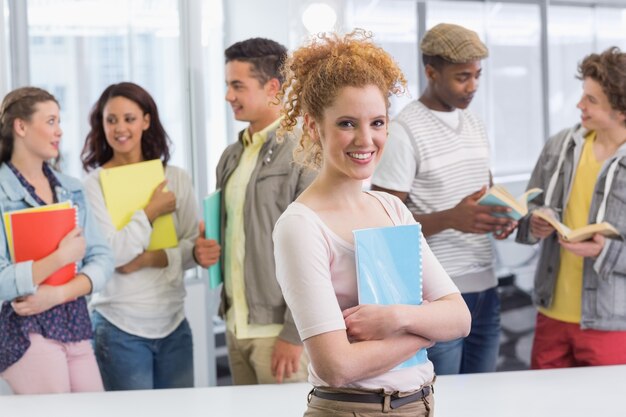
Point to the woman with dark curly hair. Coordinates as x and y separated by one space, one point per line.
580 288
142 339
340 86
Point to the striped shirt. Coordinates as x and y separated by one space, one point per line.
438 166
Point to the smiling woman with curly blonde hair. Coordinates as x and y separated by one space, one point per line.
340 86
315 74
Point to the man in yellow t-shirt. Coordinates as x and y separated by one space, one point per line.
580 288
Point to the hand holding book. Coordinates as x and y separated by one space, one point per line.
576 235
72 247
369 322
471 216
48 236
132 187
500 196
590 248
389 274
161 202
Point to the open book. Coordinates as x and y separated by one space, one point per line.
580 234
389 270
497 195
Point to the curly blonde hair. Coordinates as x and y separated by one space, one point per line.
315 73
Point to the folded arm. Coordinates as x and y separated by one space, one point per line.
444 319
339 362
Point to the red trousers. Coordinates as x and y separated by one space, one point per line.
559 344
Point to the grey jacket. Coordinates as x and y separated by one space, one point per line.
604 278
274 183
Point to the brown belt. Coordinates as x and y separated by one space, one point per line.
373 398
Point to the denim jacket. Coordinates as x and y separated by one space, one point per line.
274 183
16 279
604 278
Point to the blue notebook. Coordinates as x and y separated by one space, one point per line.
212 222
389 270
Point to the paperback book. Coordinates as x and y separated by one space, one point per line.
497 195
580 234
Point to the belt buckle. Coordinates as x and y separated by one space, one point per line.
397 402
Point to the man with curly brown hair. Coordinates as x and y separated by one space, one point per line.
580 288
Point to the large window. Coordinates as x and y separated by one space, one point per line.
77 48
573 32
394 25
510 95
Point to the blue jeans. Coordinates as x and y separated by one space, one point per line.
129 362
477 352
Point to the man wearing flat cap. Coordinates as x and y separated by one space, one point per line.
436 160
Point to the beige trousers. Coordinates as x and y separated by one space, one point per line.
319 407
250 361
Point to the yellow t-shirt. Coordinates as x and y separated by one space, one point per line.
235 248
567 301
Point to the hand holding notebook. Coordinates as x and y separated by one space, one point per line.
161 202
73 246
129 188
369 322
37 234
389 270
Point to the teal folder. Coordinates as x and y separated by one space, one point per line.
212 222
389 270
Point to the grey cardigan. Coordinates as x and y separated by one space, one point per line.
274 183
604 278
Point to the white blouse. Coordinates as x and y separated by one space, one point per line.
149 302
316 270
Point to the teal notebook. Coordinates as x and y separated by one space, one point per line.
212 221
389 270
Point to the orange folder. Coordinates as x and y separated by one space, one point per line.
38 234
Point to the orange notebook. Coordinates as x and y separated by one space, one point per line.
38 234
6 217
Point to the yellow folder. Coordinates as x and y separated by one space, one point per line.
7 219
128 188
